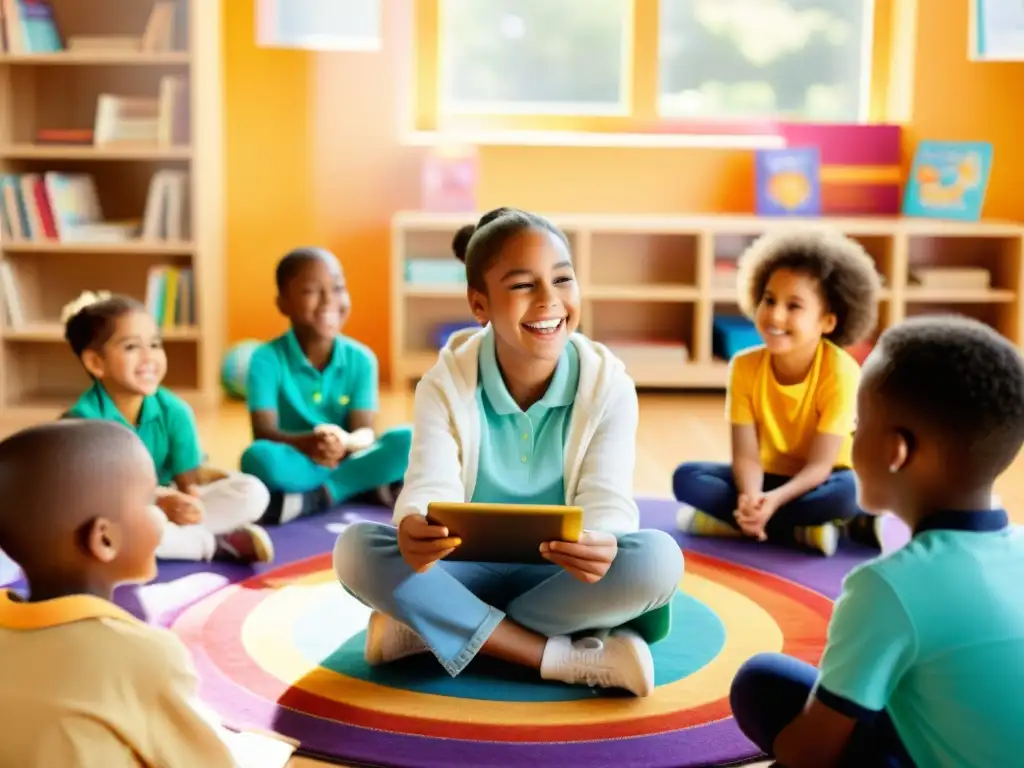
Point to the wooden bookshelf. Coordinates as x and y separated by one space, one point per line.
48 90
652 278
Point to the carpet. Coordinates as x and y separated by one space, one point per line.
280 648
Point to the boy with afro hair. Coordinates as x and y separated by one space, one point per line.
791 401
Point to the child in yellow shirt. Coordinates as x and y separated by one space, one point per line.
83 682
792 401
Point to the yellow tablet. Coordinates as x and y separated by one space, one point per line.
505 533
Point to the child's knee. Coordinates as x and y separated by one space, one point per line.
654 562
254 494
356 552
685 476
398 440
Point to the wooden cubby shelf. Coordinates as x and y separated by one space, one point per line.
111 179
651 285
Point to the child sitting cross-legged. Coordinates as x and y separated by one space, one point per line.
924 664
312 396
210 513
791 401
83 683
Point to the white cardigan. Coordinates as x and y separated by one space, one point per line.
600 448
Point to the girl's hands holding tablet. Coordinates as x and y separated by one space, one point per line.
423 544
587 559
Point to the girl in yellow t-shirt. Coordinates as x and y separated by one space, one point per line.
792 401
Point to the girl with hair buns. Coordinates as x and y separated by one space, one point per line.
210 514
524 410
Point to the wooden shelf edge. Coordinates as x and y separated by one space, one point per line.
54 332
140 247
94 58
93 152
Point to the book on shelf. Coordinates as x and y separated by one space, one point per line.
170 296
162 120
65 208
30 27
167 205
15 314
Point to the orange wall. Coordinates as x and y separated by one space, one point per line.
313 156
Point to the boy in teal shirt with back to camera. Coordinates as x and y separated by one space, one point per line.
312 396
924 664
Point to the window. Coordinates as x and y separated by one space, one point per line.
535 56
709 66
319 25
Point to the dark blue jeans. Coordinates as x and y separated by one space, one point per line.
771 689
710 487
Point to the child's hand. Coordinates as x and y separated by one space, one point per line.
423 544
330 450
753 515
587 559
180 508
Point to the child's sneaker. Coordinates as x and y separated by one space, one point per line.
389 640
823 538
285 507
619 660
697 523
248 544
866 530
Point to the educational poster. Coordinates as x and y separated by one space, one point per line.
948 180
996 31
449 179
319 25
788 182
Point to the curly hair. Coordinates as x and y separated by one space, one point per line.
844 271
961 380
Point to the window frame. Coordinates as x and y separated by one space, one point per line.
640 88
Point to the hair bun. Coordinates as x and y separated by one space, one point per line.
460 243
86 299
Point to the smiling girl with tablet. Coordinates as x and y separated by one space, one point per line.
522 411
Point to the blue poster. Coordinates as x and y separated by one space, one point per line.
948 180
788 182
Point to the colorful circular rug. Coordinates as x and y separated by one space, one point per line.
283 651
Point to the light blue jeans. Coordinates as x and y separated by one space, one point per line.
454 606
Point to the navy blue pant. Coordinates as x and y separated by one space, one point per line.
710 487
771 689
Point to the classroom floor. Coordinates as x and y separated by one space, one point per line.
673 428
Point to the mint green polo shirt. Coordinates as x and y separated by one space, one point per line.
282 379
521 455
166 426
933 634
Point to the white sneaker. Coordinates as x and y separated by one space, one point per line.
619 659
389 640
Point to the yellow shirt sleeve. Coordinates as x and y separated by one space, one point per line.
739 406
837 395
179 734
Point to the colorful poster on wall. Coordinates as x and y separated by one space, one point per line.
996 30
788 181
449 178
948 180
319 25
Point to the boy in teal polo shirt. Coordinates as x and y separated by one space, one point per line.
312 397
210 514
924 664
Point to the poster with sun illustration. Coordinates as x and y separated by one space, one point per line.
948 180
788 182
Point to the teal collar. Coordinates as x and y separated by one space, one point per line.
106 408
297 358
561 391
